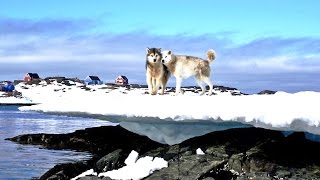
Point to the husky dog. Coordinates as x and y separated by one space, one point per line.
157 74
182 67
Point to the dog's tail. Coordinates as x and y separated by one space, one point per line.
211 55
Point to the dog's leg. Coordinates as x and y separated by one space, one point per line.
164 82
208 81
178 85
199 82
163 87
160 84
155 86
149 82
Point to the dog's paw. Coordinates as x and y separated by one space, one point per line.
209 94
162 93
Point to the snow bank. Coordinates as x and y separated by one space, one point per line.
283 111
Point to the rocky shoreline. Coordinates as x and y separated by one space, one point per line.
244 153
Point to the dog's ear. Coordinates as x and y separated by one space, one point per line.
169 52
159 49
148 50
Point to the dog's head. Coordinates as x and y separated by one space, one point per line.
166 56
154 55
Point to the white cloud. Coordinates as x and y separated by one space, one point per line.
281 63
67 57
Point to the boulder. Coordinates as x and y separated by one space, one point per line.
113 160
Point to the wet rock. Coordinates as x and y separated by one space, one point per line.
65 171
99 140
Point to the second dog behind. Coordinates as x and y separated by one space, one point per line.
183 67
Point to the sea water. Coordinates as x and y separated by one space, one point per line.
26 161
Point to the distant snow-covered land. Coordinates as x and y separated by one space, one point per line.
283 111
8 100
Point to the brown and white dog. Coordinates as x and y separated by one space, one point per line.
182 67
157 74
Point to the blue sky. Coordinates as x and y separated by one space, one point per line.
260 45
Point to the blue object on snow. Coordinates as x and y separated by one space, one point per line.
10 87
7 88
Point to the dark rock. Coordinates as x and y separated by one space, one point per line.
283 174
295 151
208 178
223 88
236 162
66 82
217 151
65 171
219 173
188 167
256 175
89 178
244 153
236 93
281 158
99 140
234 140
266 92
113 160
219 146
143 86
94 178
85 88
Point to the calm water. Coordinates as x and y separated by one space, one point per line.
26 161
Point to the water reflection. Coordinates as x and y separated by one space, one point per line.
176 132
171 132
